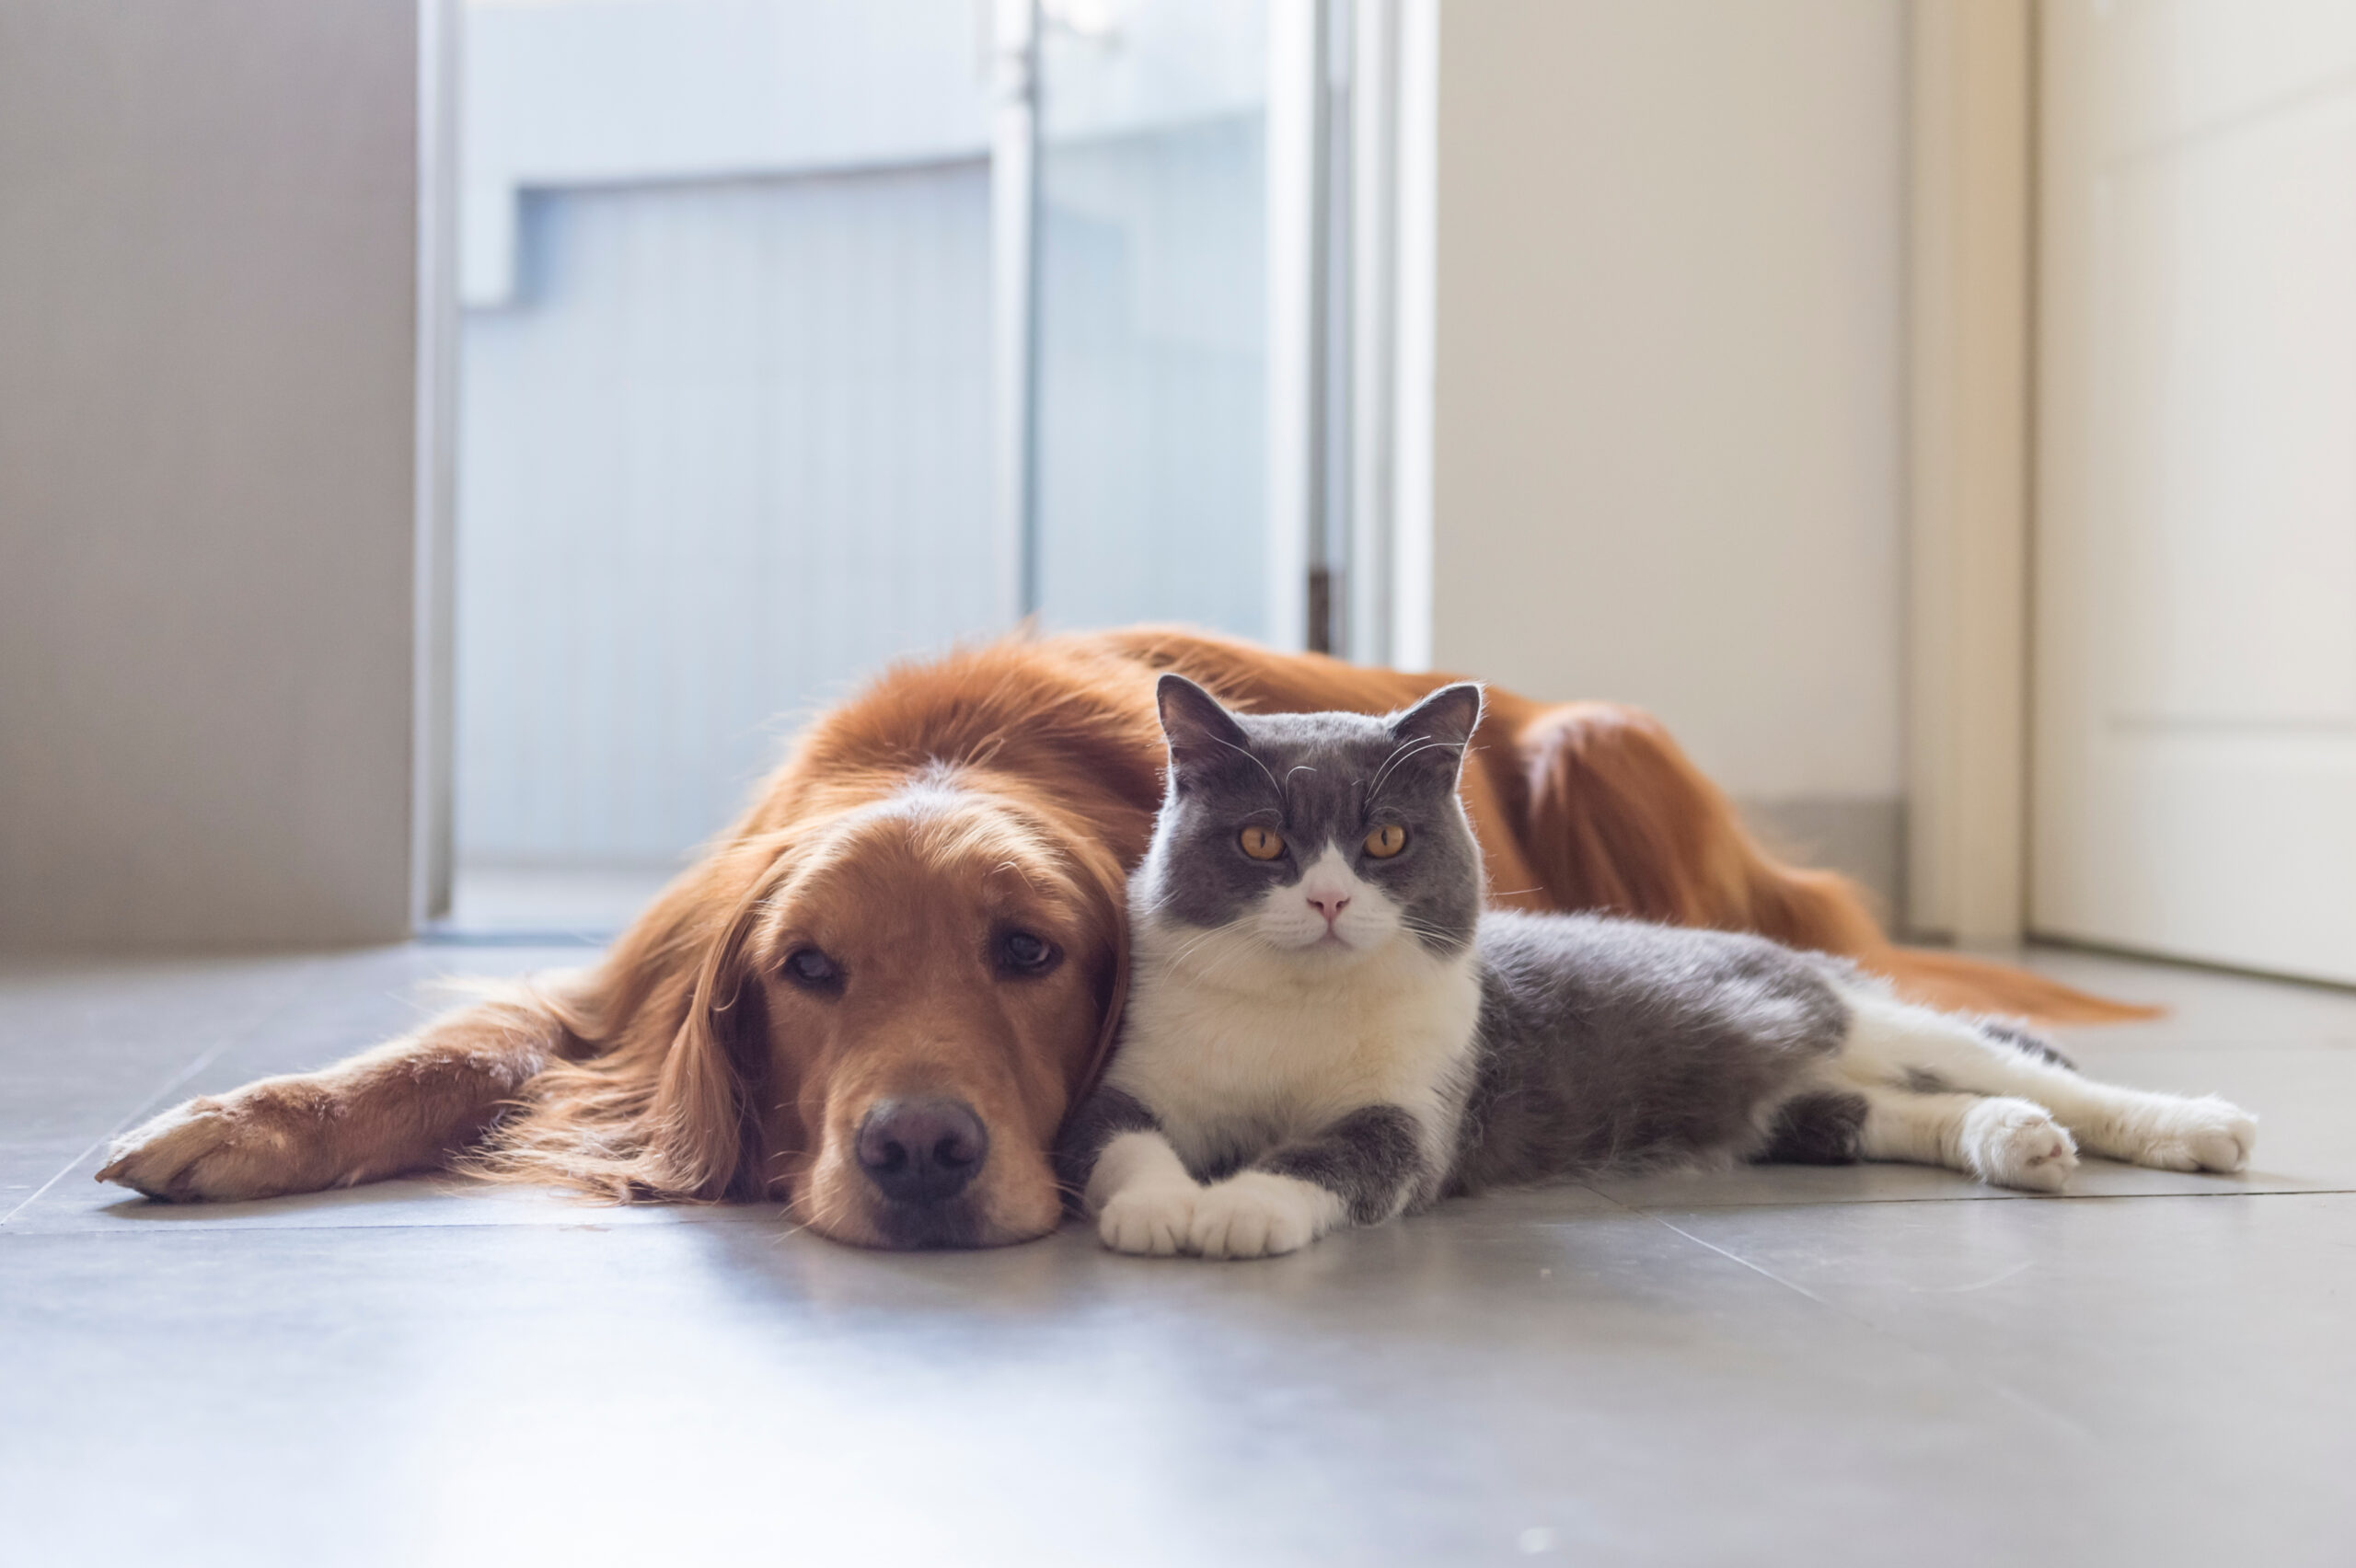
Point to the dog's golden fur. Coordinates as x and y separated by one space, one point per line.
1009 786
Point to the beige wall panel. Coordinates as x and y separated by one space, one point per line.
207 347
1668 372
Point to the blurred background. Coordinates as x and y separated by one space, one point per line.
446 448
725 389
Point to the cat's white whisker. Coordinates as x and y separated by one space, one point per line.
1246 751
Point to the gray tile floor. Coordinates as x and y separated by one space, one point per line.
1773 1365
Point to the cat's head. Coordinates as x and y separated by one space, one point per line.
1313 838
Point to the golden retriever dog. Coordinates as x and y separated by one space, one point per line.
875 997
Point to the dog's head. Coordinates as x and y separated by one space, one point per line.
896 1019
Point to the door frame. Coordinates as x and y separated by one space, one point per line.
1352 119
1349 224
1970 468
433 708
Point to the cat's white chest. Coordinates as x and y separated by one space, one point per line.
1227 1067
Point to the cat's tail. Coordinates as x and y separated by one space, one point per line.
1617 818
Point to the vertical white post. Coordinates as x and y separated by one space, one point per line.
1373 240
1332 561
1014 285
1296 80
1415 262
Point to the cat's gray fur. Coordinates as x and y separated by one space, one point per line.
1609 1044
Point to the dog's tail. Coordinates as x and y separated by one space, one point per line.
1619 819
1955 983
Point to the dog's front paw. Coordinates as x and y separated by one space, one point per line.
1259 1216
2200 1134
246 1145
1149 1220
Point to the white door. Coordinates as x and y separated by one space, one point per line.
2195 686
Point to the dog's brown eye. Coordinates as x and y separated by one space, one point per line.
1386 841
813 970
1262 845
1025 955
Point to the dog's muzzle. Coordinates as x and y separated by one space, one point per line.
921 1153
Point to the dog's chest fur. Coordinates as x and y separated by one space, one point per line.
1232 1067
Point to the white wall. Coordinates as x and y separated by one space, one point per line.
208 244
1667 441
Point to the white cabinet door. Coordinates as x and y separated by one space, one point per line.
2195 686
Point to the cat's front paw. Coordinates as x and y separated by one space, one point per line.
1151 1220
1259 1216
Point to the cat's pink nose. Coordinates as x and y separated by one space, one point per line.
1329 904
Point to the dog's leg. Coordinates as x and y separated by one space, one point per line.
2004 1142
1893 1044
406 1105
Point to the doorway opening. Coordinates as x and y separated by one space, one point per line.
733 421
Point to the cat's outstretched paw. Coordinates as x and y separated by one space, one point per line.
1259 1216
1149 1220
2011 1143
2208 1134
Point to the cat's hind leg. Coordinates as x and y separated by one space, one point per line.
1895 1044
2003 1141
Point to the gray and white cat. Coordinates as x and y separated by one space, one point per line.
1324 1028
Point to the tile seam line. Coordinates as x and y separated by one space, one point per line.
1799 1290
237 1034
194 1228
2162 1197
1938 1357
2332 1040
1729 1207
203 1226
1968 1373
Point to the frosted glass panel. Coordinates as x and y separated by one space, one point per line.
725 383
724 407
728 451
1153 340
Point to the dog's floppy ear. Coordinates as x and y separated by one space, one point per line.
1202 735
1109 900
704 1137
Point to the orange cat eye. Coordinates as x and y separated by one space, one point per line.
1386 841
1262 845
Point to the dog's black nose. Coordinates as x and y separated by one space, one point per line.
921 1151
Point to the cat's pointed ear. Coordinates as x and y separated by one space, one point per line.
1202 735
1444 720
